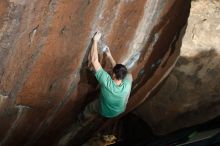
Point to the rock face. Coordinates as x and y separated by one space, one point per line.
44 80
191 93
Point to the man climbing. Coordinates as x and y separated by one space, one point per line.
115 89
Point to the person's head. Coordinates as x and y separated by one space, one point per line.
119 71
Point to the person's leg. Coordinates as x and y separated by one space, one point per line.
91 109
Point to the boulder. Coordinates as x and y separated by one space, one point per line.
191 93
44 78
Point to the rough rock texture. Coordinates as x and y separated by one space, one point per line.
44 80
191 94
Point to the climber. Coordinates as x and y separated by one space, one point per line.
115 89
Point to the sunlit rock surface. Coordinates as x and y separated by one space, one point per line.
44 79
191 94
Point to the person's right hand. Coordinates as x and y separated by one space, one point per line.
107 51
97 36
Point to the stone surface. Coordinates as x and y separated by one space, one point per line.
44 80
191 93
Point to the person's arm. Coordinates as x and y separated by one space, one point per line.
94 52
111 59
128 78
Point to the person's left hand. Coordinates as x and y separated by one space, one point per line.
97 36
108 52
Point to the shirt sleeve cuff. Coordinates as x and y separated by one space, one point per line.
99 70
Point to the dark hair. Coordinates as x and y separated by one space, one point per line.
120 71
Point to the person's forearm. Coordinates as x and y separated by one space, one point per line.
94 52
111 59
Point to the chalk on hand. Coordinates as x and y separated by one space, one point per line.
105 48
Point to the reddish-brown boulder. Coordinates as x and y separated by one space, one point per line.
44 80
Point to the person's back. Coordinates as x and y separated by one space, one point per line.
113 97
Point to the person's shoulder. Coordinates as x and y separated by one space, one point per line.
103 77
101 72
